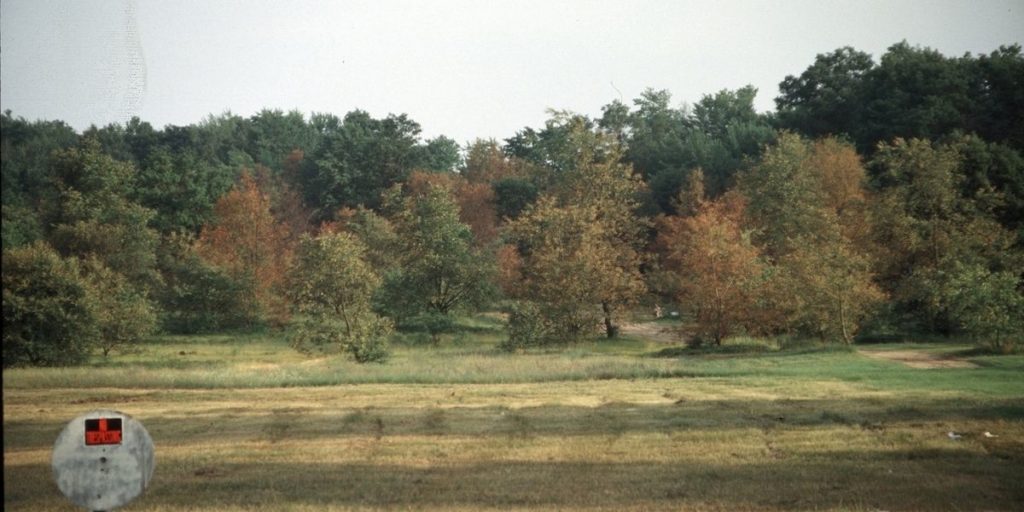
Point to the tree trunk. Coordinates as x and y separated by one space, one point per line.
842 322
610 329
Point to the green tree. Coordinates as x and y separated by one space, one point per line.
997 91
441 154
26 149
181 189
993 174
664 143
924 227
912 92
331 286
196 296
92 215
49 316
785 197
123 314
356 163
714 114
273 134
988 306
438 269
828 97
512 196
25 174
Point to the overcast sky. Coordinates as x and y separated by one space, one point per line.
465 69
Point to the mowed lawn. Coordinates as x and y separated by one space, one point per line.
245 423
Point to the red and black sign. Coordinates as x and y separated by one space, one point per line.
103 431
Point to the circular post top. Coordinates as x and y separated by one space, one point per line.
103 459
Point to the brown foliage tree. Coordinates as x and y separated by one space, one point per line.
247 242
580 243
720 273
569 266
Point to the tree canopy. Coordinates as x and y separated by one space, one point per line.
884 195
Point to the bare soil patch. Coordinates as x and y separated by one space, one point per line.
920 359
653 331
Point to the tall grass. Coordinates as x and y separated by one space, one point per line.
470 356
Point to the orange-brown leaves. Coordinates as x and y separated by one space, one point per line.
720 273
475 200
841 173
246 241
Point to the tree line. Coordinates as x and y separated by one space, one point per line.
879 199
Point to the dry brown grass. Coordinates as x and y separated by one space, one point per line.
920 359
666 444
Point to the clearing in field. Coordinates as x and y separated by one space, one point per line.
245 423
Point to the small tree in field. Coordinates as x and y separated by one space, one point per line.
720 273
124 315
579 243
331 286
807 206
829 290
438 270
49 319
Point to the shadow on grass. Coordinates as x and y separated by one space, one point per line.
246 424
897 480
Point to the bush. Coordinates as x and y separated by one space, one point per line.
431 322
197 297
527 327
988 307
324 335
370 349
49 317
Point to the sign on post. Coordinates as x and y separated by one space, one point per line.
103 459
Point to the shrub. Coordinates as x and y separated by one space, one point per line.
324 335
988 306
49 319
527 327
431 322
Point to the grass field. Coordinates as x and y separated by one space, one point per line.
242 422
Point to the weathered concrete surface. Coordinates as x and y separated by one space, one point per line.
103 477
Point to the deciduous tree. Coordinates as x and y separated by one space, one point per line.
721 275
49 316
438 269
331 286
584 233
91 214
245 240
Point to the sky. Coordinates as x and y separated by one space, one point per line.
465 69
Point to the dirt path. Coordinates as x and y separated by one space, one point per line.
920 359
652 331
